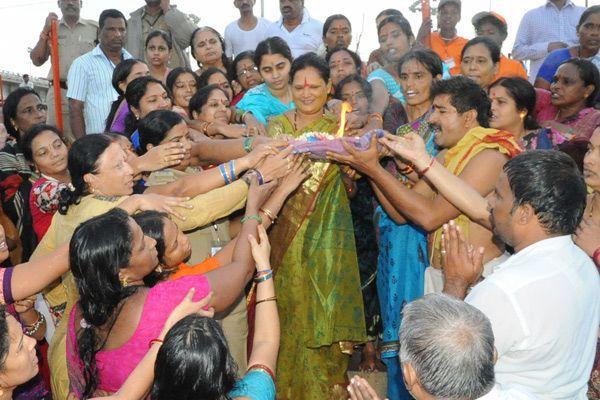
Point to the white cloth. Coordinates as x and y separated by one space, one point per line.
498 393
542 26
238 40
305 38
90 81
544 306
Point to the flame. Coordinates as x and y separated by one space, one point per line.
346 108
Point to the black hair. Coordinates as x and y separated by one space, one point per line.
4 337
335 17
34 132
244 55
9 108
224 58
550 182
402 23
311 60
135 91
174 74
83 159
492 47
194 362
465 95
155 126
99 248
589 74
355 57
524 96
272 45
153 225
502 27
120 74
159 32
364 84
207 73
586 14
388 12
110 13
426 57
200 98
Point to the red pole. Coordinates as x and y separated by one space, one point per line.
56 75
426 16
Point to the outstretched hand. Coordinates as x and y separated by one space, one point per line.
261 252
410 147
365 161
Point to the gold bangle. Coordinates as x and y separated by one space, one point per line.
269 214
375 115
274 298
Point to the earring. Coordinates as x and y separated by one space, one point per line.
523 115
124 282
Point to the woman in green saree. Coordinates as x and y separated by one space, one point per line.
317 276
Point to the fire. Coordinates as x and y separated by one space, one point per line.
346 108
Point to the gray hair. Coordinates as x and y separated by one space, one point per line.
450 345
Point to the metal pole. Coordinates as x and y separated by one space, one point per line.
262 8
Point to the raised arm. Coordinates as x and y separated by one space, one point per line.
41 52
266 332
228 281
454 189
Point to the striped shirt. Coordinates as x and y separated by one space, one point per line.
542 26
89 81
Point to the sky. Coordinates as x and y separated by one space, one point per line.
23 20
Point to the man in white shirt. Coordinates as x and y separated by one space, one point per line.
544 29
544 301
247 32
301 32
447 352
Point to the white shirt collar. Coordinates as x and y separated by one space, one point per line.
305 18
569 3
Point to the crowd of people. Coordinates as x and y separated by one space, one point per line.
172 240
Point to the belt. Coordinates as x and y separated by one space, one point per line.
63 84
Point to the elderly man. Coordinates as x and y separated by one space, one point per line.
160 14
544 29
543 302
90 90
301 32
447 352
76 36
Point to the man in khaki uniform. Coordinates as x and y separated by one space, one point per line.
76 37
160 14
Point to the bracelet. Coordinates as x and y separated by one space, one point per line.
248 143
31 330
244 115
274 298
224 174
254 217
596 257
375 115
155 341
259 176
263 368
428 167
263 278
205 128
269 214
407 170
258 274
232 170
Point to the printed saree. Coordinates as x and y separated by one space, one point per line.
317 278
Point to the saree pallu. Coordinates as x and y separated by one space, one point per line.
401 270
317 278
458 157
